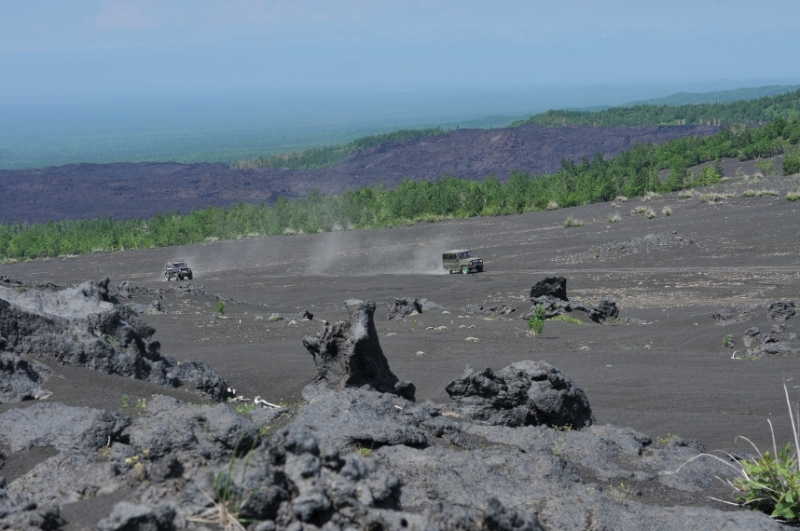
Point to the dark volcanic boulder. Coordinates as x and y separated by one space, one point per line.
19 380
404 306
521 394
602 312
781 310
84 326
348 354
550 287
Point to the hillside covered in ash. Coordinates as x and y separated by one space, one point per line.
125 190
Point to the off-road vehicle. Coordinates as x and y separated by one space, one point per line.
461 261
177 268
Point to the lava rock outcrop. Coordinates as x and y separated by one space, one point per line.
85 327
349 354
525 393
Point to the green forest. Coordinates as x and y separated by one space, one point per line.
757 111
632 173
323 157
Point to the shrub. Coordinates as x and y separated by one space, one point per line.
649 213
572 222
536 321
767 167
552 205
221 307
614 218
791 162
666 211
793 196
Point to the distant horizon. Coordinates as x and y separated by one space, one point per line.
214 129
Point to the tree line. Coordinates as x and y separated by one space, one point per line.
756 111
632 173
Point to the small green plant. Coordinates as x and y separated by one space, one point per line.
244 409
126 401
793 196
221 307
536 321
141 404
229 499
111 340
572 222
727 341
364 451
649 213
769 482
263 430
20 289
414 323
666 439
564 318
666 211
614 218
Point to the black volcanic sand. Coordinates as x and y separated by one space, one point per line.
671 376
127 190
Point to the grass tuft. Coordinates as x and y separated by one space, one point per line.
666 211
614 218
564 318
793 196
572 222
649 213
552 205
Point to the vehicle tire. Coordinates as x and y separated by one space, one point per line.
180 277
166 277
190 276
464 270
480 269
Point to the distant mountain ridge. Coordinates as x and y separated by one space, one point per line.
720 96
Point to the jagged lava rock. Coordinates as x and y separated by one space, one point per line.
84 326
601 313
349 354
781 310
20 380
550 287
521 394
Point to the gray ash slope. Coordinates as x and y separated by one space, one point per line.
360 458
126 190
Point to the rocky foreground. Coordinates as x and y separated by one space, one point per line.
516 449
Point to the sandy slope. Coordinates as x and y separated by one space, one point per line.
672 376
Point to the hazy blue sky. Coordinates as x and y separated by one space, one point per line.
110 47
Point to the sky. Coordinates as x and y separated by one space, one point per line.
109 48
